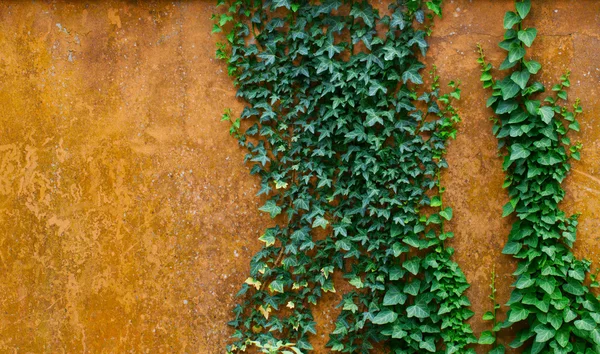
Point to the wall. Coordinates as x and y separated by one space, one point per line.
127 216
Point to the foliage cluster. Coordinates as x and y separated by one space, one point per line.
348 143
550 301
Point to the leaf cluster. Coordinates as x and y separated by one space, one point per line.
550 298
348 143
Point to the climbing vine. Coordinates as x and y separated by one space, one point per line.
558 312
348 144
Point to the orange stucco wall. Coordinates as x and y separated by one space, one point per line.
127 217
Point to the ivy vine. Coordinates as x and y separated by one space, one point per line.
558 312
348 144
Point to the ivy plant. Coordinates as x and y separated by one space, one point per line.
550 300
348 143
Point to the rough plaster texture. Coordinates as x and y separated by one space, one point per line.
127 217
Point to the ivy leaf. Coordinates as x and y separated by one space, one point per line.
509 88
394 297
282 3
498 350
446 213
512 247
521 78
276 286
508 209
412 265
574 287
544 333
364 11
436 201
487 338
398 20
533 66
301 203
413 287
385 316
271 207
268 238
518 151
527 36
376 87
516 52
547 113
547 284
549 159
585 324
511 19
595 335
523 8
372 118
506 106
517 313
428 345
412 74
320 221
418 310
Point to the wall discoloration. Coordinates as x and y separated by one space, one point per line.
127 217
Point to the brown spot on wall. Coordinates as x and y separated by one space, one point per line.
127 216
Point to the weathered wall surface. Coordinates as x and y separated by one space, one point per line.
127 217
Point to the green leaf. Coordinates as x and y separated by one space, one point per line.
547 113
518 151
412 265
508 209
595 335
511 19
547 284
488 316
523 8
517 313
574 287
544 333
569 315
585 324
446 213
301 204
428 345
394 297
412 74
282 3
521 78
487 338
506 106
396 273
517 117
418 310
372 118
365 12
276 286
320 221
549 159
436 201
268 238
527 36
509 89
512 248
271 207
533 66
498 350
515 53
413 287
385 316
